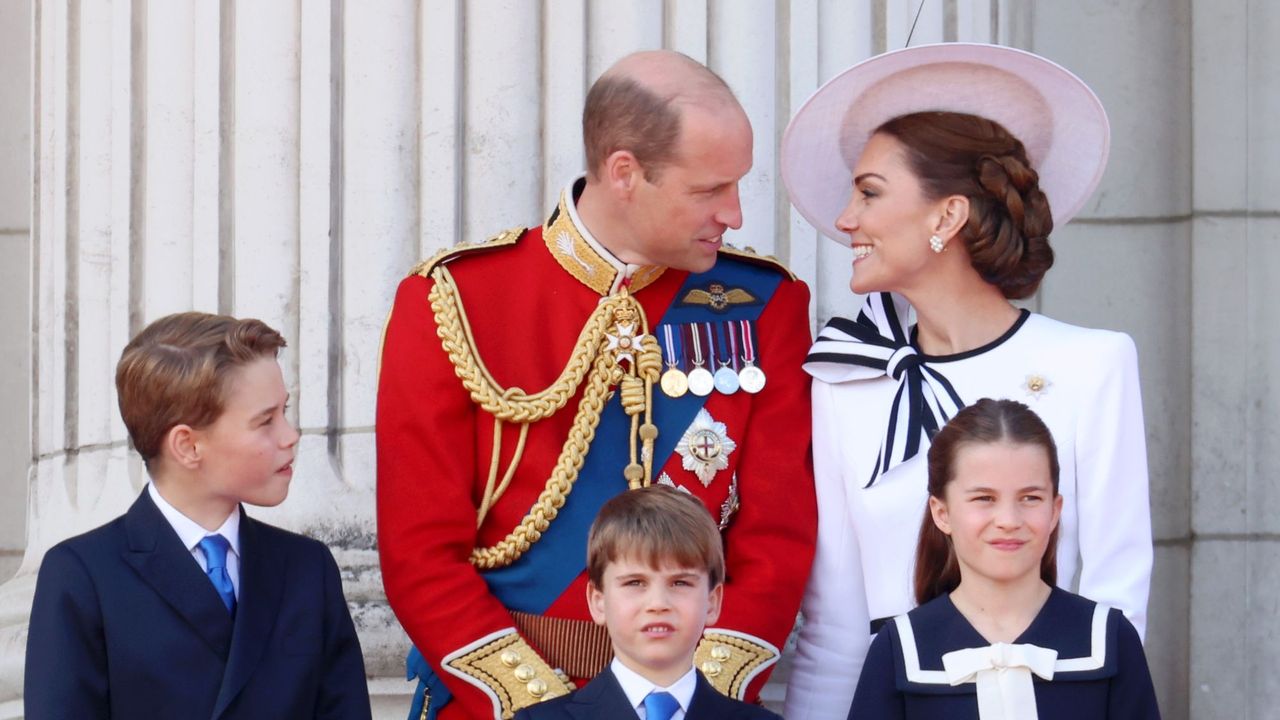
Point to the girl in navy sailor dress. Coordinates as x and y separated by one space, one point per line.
992 638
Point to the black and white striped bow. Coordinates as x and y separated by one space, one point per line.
878 343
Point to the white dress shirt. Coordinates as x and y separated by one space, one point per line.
1086 391
637 688
191 533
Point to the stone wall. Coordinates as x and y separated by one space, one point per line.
292 160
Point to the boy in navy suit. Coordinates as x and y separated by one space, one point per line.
655 565
185 607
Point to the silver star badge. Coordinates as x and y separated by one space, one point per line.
705 447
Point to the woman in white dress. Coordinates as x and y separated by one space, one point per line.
946 167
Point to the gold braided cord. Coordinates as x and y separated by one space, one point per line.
493 494
600 366
514 405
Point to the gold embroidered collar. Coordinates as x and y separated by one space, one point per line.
583 257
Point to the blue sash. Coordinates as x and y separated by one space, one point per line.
542 574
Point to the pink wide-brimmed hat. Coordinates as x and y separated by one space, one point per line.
1057 117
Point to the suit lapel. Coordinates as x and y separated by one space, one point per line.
709 703
157 554
262 578
601 698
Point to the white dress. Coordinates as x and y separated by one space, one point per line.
1087 395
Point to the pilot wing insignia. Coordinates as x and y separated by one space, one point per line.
718 297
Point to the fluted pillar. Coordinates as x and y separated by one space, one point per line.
291 160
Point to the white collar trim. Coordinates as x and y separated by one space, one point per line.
1096 658
189 531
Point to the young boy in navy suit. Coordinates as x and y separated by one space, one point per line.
186 607
655 565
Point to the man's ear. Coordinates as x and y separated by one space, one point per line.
622 172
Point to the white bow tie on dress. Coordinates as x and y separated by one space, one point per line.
876 344
1003 675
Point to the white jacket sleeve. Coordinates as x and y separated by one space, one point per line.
1113 503
834 638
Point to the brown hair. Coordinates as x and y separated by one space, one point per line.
658 524
1007 235
621 113
984 422
175 372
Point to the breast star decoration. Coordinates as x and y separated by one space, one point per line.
705 447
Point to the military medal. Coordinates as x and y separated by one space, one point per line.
726 379
751 377
705 447
674 382
701 382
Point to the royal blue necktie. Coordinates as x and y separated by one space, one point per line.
660 706
215 556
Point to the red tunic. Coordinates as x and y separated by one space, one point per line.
434 449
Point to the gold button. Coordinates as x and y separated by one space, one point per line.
711 668
525 673
721 653
537 687
510 658
648 431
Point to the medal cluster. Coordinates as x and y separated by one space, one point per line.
706 357
614 349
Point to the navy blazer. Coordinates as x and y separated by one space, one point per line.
126 625
603 698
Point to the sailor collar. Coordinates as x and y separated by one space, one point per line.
1080 631
583 257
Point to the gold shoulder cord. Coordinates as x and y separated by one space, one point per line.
614 348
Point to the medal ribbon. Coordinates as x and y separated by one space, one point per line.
711 345
748 345
722 346
697 345
733 343
670 337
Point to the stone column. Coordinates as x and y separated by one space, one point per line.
1125 264
1235 453
292 160
15 280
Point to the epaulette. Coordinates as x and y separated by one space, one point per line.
502 239
749 254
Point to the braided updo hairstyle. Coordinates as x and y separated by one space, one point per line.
1007 235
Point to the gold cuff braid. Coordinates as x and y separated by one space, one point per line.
730 661
516 674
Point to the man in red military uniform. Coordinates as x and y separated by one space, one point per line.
527 379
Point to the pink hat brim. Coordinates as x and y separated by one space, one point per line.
1057 117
